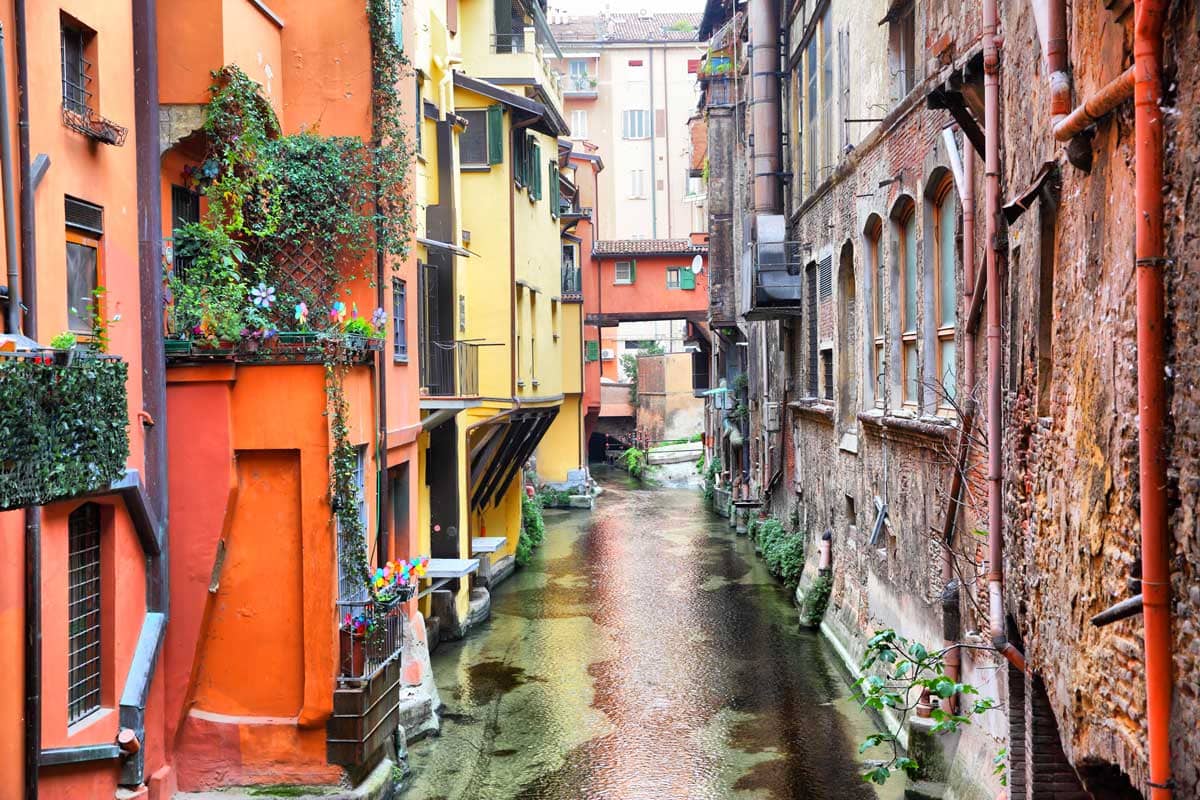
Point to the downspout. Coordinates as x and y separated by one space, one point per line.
1056 59
13 317
653 154
991 90
667 135
383 490
1152 399
33 516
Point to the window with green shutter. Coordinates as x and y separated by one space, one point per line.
495 126
592 351
535 171
555 197
687 278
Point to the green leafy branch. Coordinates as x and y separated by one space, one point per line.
895 670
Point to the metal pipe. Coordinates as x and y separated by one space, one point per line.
1056 59
25 161
653 152
1106 99
13 317
991 95
764 84
1152 399
1124 609
968 257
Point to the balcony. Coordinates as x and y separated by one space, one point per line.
580 86
450 369
572 284
523 54
366 697
64 423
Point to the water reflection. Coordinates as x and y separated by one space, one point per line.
646 654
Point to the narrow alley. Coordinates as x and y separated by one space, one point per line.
645 653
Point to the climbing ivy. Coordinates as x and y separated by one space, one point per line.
533 529
65 429
345 495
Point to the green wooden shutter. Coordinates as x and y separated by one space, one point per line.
687 278
535 170
592 351
495 126
552 177
632 271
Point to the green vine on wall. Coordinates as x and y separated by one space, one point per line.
65 429
345 495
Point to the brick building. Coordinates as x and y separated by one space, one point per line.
849 296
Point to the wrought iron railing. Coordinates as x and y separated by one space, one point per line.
572 283
508 42
370 635
580 83
450 369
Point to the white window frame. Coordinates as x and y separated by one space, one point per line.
672 273
579 131
636 123
637 183
625 280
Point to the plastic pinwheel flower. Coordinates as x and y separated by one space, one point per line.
263 295
337 312
302 312
379 318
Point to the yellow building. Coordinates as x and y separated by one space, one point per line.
496 351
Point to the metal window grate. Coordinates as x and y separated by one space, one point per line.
827 370
76 71
84 216
83 582
400 319
826 277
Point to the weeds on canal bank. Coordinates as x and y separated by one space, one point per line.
634 462
782 550
533 529
897 674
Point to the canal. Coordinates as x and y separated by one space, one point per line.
645 654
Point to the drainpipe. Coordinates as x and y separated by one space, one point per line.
1152 400
13 319
1107 98
991 88
383 490
1056 59
764 67
667 135
33 516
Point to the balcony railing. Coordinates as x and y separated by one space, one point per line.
720 92
363 655
64 424
509 42
450 369
572 283
580 84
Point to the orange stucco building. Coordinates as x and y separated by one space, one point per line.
253 680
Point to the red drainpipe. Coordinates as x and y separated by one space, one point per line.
991 100
1152 399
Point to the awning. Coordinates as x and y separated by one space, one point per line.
548 120
506 444
453 248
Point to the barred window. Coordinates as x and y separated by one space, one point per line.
83 581
399 319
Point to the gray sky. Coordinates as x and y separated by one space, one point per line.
594 6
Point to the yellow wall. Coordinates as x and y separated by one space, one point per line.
560 448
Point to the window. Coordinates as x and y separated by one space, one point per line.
827 374
398 491
1047 215
945 290
826 277
84 261
811 276
527 164
624 272
815 85
672 277
78 90
907 261
693 66
636 124
472 143
399 320
637 183
420 113
578 79
902 49
185 210
579 124
695 186
829 146
83 610
552 177
591 350
876 275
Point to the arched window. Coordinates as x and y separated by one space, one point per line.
906 262
847 356
945 287
875 279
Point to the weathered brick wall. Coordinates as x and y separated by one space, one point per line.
1073 536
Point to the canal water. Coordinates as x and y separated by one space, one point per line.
645 654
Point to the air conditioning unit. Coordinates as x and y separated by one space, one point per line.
771 416
607 354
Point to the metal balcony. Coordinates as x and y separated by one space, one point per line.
572 284
450 369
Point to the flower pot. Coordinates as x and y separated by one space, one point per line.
64 358
353 650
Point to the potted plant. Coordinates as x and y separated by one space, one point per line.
64 348
353 635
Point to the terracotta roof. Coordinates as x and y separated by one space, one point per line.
647 247
670 27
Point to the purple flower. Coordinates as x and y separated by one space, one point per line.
263 295
379 318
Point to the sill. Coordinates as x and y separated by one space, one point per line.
905 424
400 360
474 168
91 719
814 407
622 283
